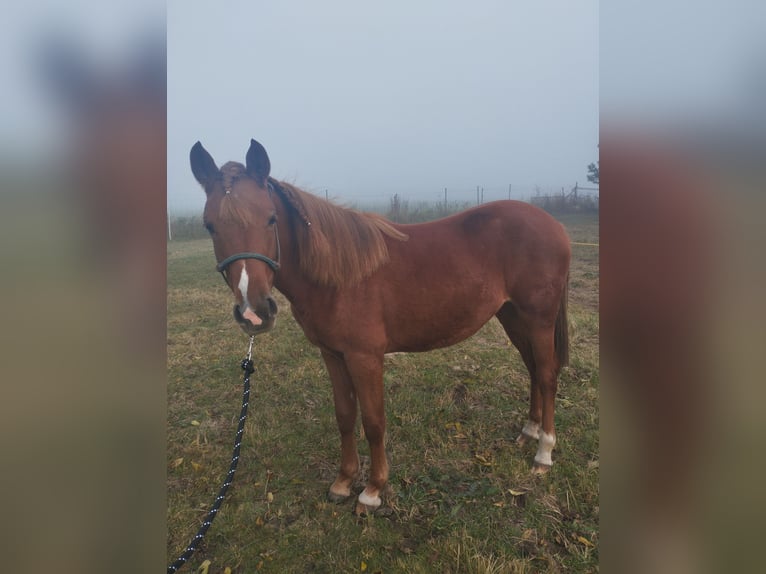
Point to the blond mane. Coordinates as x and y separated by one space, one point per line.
335 245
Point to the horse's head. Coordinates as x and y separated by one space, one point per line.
242 221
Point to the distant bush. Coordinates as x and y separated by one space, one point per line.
187 228
400 210
566 203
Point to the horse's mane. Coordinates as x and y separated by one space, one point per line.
335 245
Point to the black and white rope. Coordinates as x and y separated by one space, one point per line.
247 366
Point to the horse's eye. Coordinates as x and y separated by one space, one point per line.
272 220
210 228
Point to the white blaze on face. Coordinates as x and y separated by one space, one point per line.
245 309
243 280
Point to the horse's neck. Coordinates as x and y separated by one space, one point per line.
289 280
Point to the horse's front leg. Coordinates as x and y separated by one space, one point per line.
345 414
366 372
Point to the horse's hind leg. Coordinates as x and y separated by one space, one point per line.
515 330
345 414
546 375
536 348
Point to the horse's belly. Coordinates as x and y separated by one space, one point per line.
425 334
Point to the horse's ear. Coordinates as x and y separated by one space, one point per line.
257 162
202 165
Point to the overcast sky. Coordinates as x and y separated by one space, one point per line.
370 99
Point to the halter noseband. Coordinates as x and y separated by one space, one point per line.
274 265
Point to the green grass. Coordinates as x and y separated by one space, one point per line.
463 498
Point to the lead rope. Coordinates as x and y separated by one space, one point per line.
247 366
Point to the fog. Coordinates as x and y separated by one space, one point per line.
363 101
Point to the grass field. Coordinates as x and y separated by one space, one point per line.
463 497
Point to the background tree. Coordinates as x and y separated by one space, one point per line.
593 172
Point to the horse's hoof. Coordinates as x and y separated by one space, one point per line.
367 504
540 469
362 510
522 439
337 498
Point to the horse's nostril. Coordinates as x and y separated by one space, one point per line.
272 306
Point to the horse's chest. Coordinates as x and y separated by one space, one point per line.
336 325
307 321
319 323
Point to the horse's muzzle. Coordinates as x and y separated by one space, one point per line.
259 321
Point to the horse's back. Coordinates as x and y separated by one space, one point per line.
454 274
498 235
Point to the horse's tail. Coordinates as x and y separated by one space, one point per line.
561 333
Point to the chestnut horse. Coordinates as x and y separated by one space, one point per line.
361 286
